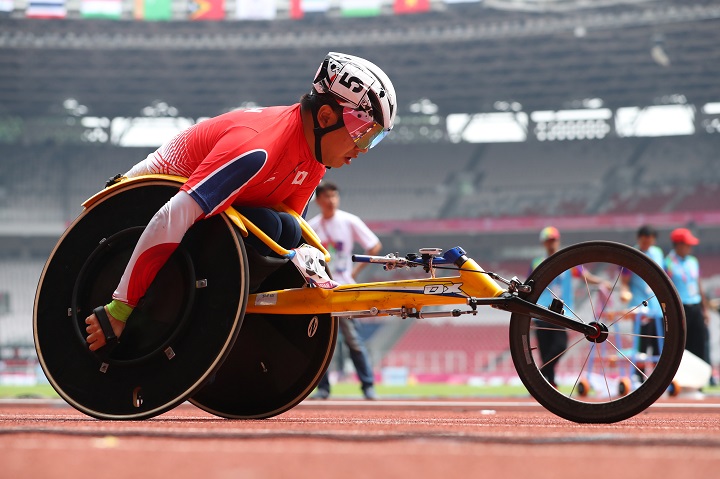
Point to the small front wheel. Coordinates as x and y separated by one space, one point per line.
589 279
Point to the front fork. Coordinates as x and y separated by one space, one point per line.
510 301
515 304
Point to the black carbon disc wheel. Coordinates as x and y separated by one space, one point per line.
276 362
156 324
176 337
602 362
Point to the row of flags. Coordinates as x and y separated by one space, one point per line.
356 8
215 9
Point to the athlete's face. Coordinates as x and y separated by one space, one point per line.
338 147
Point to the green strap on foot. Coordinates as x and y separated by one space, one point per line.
119 310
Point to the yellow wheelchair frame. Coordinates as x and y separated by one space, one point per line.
405 298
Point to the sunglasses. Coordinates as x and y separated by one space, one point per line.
362 128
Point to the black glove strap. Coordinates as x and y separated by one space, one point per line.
320 132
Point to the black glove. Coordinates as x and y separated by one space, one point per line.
113 180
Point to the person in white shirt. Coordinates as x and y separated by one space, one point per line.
339 231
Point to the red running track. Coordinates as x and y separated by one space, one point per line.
359 439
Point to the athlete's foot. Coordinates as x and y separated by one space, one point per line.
96 337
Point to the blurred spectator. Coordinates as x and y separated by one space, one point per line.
684 270
552 340
338 231
636 290
715 304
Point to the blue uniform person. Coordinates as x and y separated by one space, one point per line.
552 340
636 290
684 271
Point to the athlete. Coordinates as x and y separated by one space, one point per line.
254 159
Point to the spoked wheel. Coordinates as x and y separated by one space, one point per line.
176 337
276 362
605 359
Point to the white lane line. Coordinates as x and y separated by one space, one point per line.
354 403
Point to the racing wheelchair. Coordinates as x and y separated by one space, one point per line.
244 336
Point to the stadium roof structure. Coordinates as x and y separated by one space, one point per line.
464 59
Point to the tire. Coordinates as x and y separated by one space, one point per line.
276 362
584 358
169 348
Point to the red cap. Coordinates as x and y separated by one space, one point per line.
683 235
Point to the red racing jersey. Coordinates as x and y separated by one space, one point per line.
256 157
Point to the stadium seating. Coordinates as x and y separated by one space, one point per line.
447 348
422 181
702 197
49 183
18 280
462 59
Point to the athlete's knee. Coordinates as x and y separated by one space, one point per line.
268 221
290 233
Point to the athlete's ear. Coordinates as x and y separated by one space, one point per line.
326 116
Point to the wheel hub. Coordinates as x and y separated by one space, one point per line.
601 333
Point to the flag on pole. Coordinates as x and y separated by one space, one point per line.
256 9
295 10
46 9
298 8
360 8
315 6
207 9
153 9
101 9
411 6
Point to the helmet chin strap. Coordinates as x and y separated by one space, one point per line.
319 132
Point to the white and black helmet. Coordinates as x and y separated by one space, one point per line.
358 84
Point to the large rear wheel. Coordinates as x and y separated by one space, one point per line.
276 362
177 336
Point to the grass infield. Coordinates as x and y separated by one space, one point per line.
349 390
342 390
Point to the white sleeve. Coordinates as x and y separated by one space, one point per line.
158 241
144 167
